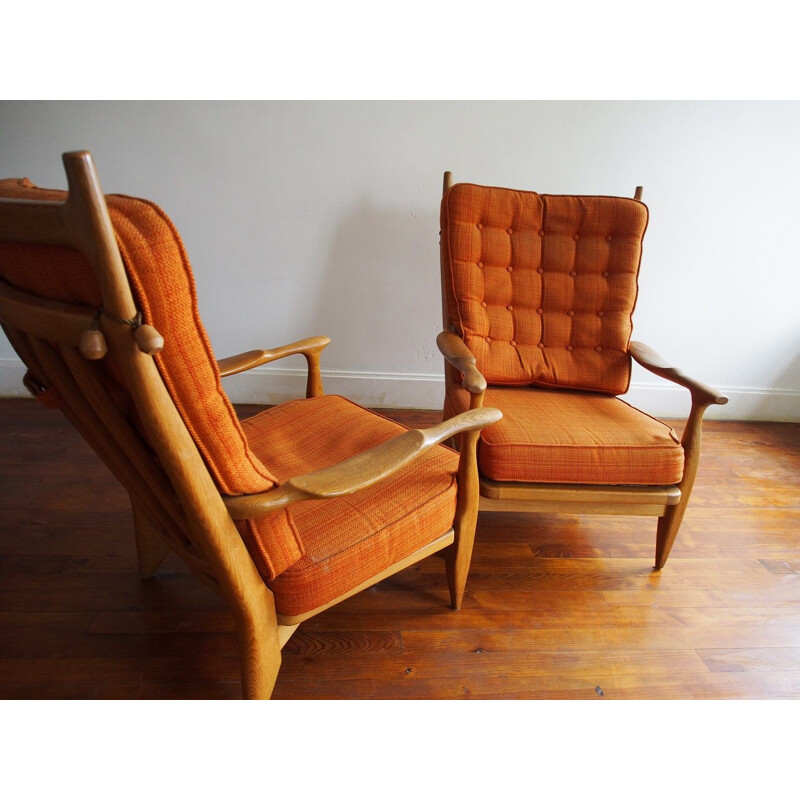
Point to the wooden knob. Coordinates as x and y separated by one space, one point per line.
93 345
148 339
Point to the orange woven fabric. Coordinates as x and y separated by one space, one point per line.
542 287
164 290
347 539
548 436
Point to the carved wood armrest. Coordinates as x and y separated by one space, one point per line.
702 395
359 471
256 358
454 350
310 348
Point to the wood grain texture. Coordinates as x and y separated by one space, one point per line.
556 607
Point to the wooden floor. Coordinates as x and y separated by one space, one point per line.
556 606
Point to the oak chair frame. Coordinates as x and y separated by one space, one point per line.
668 503
175 502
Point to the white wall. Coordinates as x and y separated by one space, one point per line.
309 218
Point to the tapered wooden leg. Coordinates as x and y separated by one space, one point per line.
259 646
459 555
151 548
670 523
667 532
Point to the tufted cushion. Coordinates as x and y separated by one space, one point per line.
564 436
164 289
347 539
542 287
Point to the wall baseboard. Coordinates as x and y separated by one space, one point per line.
270 385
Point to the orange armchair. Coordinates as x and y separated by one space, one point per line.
284 514
538 293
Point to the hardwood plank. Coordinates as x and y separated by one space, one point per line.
557 606
750 659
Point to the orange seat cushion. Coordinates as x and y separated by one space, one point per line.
562 436
542 287
346 540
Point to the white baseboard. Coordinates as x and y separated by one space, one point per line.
270 385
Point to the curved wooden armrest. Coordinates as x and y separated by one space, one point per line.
255 358
359 471
650 360
454 350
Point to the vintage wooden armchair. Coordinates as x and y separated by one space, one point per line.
538 293
284 514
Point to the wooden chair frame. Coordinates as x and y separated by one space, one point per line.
668 503
176 505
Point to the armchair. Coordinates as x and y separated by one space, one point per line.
538 293
285 513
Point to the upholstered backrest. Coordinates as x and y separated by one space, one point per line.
164 290
542 287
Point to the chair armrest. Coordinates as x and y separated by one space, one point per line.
701 394
359 471
255 358
454 350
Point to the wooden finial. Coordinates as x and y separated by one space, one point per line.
92 345
637 195
447 181
148 339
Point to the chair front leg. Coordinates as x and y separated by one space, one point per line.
670 523
459 555
259 644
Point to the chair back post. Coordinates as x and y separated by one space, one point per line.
88 222
637 195
450 373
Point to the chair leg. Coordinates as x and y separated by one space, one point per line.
151 548
459 555
670 523
667 532
259 646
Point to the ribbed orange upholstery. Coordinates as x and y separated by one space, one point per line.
367 531
163 285
542 287
576 437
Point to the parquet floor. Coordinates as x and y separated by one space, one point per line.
560 607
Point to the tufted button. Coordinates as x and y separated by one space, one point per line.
540 270
541 345
541 233
600 313
509 231
598 348
609 237
480 264
569 347
605 274
570 313
483 304
572 274
510 308
479 226
510 268
540 311
513 343
488 338
575 236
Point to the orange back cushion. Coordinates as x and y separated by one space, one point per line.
542 287
164 290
